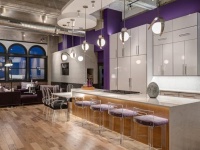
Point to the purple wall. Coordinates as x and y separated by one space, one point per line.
113 24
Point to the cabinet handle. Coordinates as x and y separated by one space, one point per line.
116 54
185 34
138 49
162 39
123 52
129 82
185 69
116 82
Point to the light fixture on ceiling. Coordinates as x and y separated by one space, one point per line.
93 4
124 36
1 10
44 18
73 53
158 24
64 56
78 11
85 45
101 41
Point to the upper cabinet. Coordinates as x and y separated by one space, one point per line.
124 49
138 40
185 21
176 51
113 45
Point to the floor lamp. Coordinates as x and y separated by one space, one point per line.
9 64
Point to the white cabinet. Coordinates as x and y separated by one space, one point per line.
113 45
139 40
185 57
138 73
185 34
185 21
163 64
124 73
164 39
124 49
113 74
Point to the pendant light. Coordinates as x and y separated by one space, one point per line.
124 36
158 24
85 45
72 54
101 41
80 58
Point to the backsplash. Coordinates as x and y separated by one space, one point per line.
178 83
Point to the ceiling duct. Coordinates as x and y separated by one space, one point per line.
36 27
149 5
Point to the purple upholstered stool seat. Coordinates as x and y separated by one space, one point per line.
122 112
150 120
100 107
83 103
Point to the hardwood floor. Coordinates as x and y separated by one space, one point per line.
26 128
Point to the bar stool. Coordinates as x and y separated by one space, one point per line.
117 110
147 118
101 108
84 104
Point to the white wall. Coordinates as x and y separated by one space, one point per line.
178 83
77 70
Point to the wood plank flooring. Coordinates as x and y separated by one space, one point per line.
27 128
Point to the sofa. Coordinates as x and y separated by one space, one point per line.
10 98
17 98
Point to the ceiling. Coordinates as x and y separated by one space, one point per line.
31 11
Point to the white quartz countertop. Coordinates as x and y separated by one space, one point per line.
180 91
165 101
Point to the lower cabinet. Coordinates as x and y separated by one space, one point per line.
138 73
113 74
180 94
124 76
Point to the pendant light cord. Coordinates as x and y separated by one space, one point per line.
101 19
158 5
85 24
124 13
72 34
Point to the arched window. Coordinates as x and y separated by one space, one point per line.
37 50
2 48
17 49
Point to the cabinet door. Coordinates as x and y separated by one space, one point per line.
138 73
134 41
124 50
164 39
142 47
167 60
113 74
124 73
191 57
157 60
179 57
113 45
185 34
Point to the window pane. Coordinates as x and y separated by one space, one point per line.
17 74
37 50
17 49
37 63
37 74
18 62
2 49
2 68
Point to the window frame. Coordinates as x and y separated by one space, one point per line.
3 55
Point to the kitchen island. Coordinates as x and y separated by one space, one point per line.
183 129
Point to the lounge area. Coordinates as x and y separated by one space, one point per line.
99 75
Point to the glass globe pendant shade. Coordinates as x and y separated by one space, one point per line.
85 45
80 58
157 26
64 56
101 41
124 36
73 54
